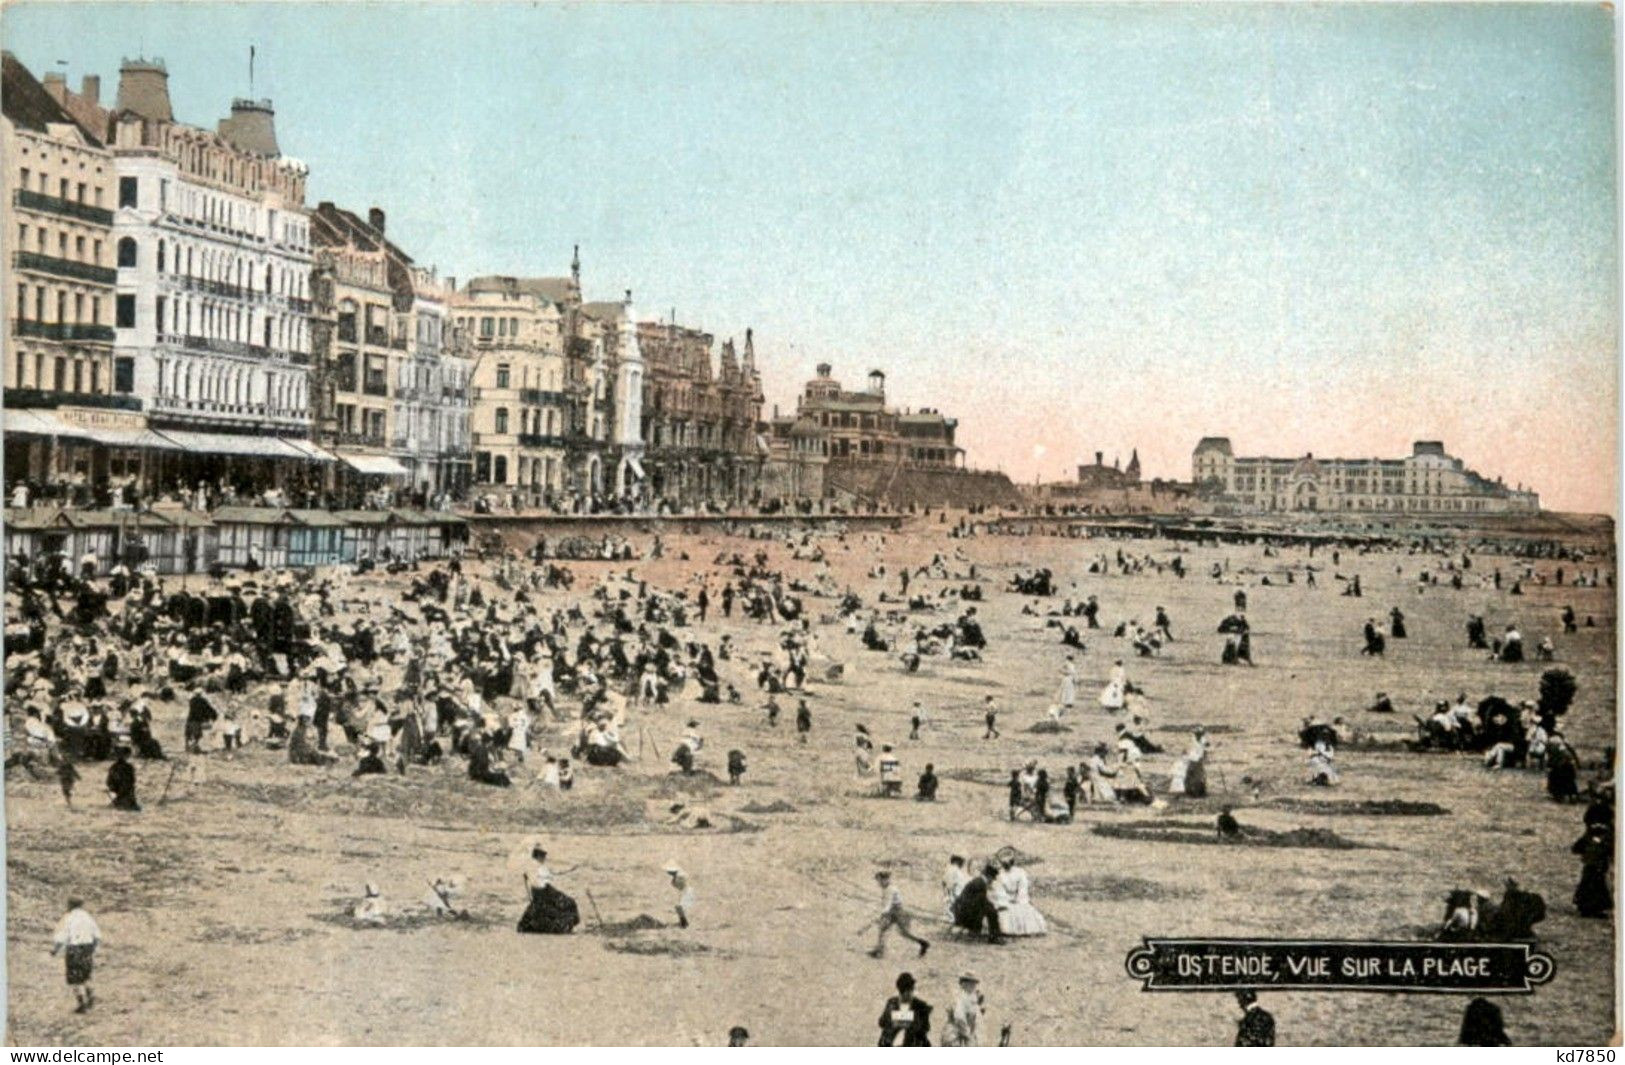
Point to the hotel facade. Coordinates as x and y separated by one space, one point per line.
1428 480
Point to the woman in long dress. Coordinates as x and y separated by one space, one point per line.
1069 686
551 912
1190 772
1017 914
1113 695
1099 776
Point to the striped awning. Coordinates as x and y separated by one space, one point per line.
140 438
265 447
379 465
39 423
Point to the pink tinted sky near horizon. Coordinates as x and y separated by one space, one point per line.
1327 228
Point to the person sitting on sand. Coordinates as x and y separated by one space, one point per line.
926 788
484 764
372 762
441 901
1130 783
302 749
1134 732
685 816
370 909
1461 916
973 908
1011 896
1099 776
891 773
121 781
1322 770
684 757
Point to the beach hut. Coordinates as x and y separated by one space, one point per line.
316 538
178 540
32 533
261 533
366 534
413 534
447 532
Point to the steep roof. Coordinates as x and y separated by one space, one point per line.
26 103
552 289
335 225
605 311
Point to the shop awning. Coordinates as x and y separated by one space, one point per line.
380 465
40 423
309 450
265 447
142 438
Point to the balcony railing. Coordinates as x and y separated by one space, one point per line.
353 439
60 330
44 397
375 388
221 346
540 440
347 332
377 336
398 343
50 264
301 306
39 201
215 288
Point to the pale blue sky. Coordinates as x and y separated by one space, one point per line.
1312 228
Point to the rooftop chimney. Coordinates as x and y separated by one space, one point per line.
251 127
1100 458
56 86
143 88
375 218
91 88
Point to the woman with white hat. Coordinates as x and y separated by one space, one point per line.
965 1016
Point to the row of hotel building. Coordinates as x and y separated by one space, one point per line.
180 316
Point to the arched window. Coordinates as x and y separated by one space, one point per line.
161 257
126 251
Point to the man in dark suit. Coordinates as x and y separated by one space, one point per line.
1257 1027
974 911
906 1020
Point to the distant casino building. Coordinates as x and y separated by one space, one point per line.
1101 475
860 427
1427 480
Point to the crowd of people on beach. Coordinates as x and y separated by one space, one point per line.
510 675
